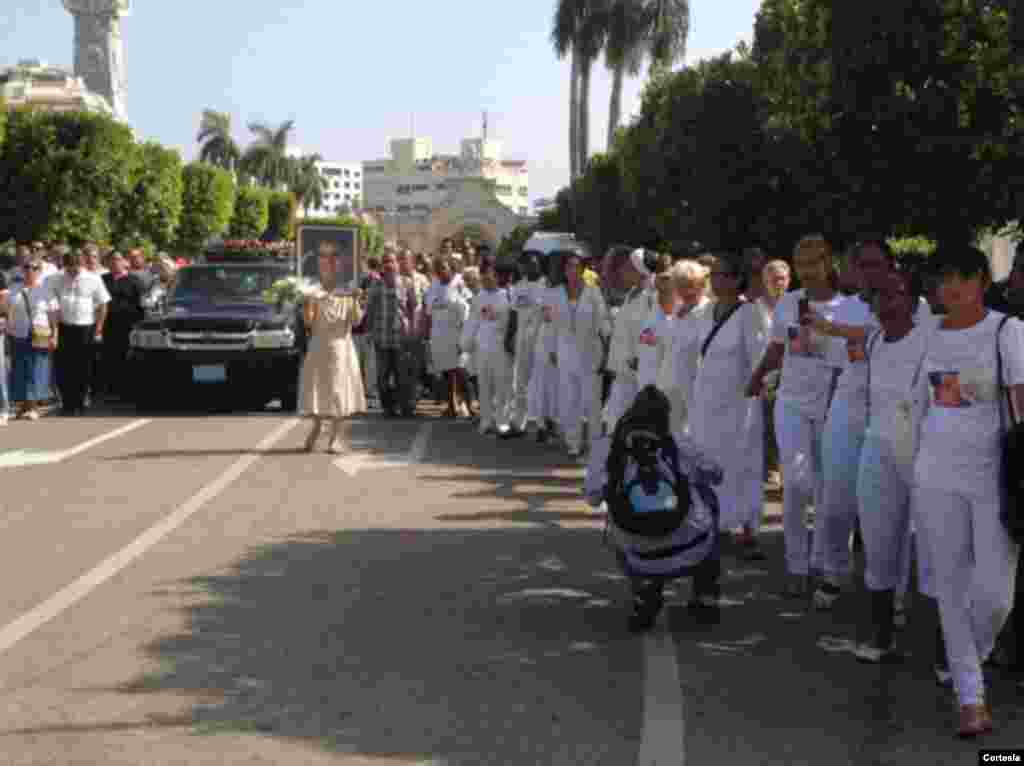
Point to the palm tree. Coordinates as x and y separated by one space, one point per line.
266 158
217 146
578 29
307 184
636 29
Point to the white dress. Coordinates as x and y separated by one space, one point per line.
722 418
448 310
330 383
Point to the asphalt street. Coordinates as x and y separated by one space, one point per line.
191 588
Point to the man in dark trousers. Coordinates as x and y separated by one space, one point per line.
1007 297
83 302
126 293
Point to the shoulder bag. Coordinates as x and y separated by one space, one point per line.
1011 479
718 326
40 335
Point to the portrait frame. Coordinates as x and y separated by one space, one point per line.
308 238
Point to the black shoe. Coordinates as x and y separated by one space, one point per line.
645 613
512 433
542 436
705 597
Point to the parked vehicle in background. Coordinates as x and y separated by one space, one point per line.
217 337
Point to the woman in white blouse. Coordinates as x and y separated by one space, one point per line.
956 495
32 324
732 342
580 317
447 309
894 356
679 365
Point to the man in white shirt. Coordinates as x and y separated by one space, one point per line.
82 302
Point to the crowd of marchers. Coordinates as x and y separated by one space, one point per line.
878 395
65 318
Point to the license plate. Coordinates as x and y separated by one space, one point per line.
209 373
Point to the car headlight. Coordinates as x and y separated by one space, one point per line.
148 339
273 338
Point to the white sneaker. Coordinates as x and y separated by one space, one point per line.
32 415
4 417
573 452
867 652
825 595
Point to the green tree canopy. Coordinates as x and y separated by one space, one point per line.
251 214
151 210
63 175
208 198
281 213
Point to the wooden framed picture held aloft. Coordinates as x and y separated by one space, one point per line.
343 241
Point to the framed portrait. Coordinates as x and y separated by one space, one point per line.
310 239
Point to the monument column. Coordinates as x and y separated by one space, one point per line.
99 49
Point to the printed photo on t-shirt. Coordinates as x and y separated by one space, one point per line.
803 341
549 313
523 300
489 313
647 337
946 390
856 350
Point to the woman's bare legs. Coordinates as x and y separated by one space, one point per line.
335 446
314 434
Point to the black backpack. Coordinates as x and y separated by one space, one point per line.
647 494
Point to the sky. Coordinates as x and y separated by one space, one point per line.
355 75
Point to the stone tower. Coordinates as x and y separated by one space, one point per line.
99 50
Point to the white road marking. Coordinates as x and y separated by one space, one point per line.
663 738
71 594
361 461
19 458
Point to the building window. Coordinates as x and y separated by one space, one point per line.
330 172
355 185
347 185
348 172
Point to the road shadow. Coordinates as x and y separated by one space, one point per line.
789 671
470 647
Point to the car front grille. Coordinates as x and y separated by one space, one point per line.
214 326
209 341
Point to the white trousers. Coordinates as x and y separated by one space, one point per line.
620 398
494 377
884 508
578 401
841 451
799 438
521 375
975 564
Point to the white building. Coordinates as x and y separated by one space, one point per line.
34 83
415 181
343 188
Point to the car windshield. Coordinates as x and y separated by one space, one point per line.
224 284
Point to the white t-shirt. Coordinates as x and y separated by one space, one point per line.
652 345
79 298
960 433
446 307
493 310
808 364
893 367
40 302
527 298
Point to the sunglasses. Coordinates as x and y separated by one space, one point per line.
35 268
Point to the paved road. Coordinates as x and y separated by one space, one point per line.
191 590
